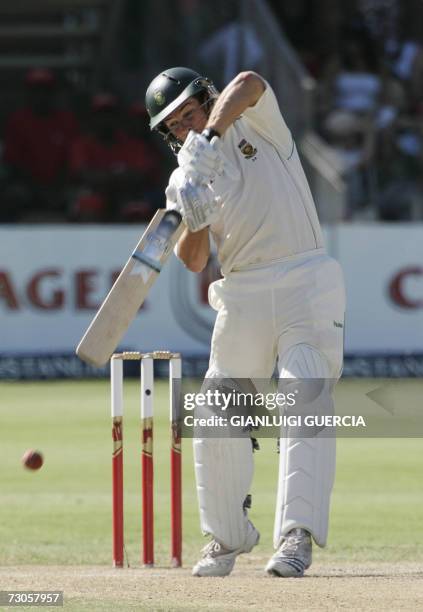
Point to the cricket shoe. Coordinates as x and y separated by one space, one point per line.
218 560
293 555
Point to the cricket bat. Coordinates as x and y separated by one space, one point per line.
125 298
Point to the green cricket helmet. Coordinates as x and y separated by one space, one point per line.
169 90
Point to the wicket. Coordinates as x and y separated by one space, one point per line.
146 408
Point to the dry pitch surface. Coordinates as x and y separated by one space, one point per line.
60 517
342 587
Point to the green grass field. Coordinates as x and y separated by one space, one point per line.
61 515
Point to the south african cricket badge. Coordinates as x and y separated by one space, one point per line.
159 98
247 149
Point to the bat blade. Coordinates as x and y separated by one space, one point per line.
128 293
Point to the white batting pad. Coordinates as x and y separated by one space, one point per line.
306 465
223 471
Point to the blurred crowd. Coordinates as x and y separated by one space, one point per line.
98 163
369 106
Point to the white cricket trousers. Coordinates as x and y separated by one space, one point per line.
291 313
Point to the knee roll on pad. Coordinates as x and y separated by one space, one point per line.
225 397
303 361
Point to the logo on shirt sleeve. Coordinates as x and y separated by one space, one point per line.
247 149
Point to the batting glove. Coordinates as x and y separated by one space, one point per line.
199 205
172 203
202 160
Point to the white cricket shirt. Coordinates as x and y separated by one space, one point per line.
268 212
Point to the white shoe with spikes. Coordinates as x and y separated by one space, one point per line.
293 556
218 560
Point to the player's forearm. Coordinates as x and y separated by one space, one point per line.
194 249
243 91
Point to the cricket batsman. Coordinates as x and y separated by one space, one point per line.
281 300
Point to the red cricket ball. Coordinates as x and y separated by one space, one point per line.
32 459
